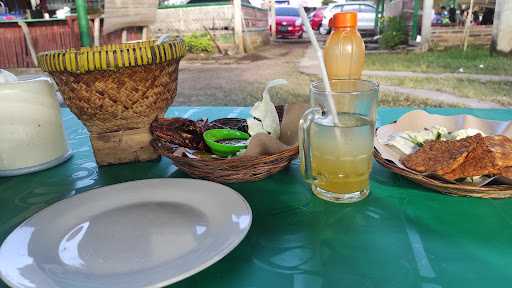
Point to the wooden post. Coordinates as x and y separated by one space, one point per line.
426 24
97 33
124 36
28 38
496 26
273 19
468 25
237 25
145 33
502 28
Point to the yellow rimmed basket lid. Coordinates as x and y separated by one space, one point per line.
112 57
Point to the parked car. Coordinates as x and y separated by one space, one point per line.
288 22
365 16
316 18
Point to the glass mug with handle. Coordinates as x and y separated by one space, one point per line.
336 158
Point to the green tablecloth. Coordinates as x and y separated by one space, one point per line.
402 235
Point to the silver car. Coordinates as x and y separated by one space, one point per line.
365 15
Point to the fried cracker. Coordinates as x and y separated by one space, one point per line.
439 156
491 155
506 172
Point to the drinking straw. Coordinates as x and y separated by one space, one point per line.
325 79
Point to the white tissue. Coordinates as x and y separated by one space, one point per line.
265 118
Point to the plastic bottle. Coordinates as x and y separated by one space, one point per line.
344 50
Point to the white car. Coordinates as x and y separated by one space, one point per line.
365 15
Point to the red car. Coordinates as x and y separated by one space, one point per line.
316 18
288 23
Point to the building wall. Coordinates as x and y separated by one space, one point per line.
185 20
47 36
216 18
454 36
393 8
255 18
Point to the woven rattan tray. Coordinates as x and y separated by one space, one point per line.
487 191
230 170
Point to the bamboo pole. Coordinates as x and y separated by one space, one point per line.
468 25
213 40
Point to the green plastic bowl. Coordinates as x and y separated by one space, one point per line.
224 150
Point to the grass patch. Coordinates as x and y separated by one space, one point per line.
399 100
297 92
497 92
448 60
247 95
283 96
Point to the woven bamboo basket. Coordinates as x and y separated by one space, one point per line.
229 170
487 191
117 91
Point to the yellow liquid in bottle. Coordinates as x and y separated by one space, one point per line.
344 54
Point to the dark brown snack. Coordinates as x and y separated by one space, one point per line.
440 157
229 123
490 156
181 132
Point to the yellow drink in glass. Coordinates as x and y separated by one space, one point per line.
341 164
336 158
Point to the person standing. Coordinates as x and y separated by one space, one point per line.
452 14
488 16
461 15
476 17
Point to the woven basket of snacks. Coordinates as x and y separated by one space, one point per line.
229 170
230 150
455 189
117 91
458 155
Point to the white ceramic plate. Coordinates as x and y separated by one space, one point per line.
147 233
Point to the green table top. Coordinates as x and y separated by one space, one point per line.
402 235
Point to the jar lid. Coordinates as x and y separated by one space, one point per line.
344 20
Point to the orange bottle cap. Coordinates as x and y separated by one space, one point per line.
343 20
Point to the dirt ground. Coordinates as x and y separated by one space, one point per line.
240 81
